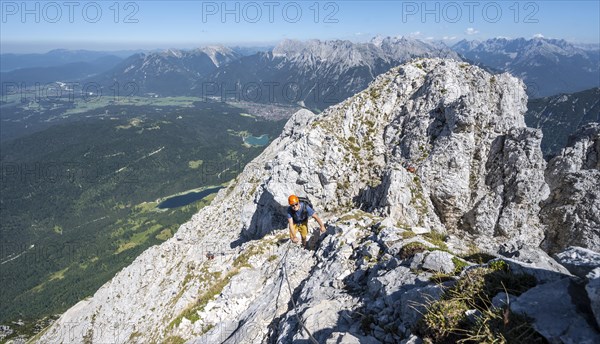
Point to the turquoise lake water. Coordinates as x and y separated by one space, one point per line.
262 140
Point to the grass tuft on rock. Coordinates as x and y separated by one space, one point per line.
479 257
174 340
409 250
408 234
465 314
459 265
438 239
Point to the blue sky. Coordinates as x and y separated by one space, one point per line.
39 26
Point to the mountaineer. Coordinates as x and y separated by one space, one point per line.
298 213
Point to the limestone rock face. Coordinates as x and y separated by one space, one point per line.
515 187
572 212
435 145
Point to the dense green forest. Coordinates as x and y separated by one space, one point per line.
78 198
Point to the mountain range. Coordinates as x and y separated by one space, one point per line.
317 74
314 73
169 73
548 66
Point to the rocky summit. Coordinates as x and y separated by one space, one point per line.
436 199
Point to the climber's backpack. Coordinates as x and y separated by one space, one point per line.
307 202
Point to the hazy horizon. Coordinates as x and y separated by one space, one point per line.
37 27
267 45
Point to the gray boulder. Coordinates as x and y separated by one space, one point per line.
555 315
534 256
578 260
390 284
541 274
417 260
415 301
439 261
348 338
593 292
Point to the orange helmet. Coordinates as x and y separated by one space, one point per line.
293 199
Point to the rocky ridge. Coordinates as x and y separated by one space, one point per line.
430 164
572 212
